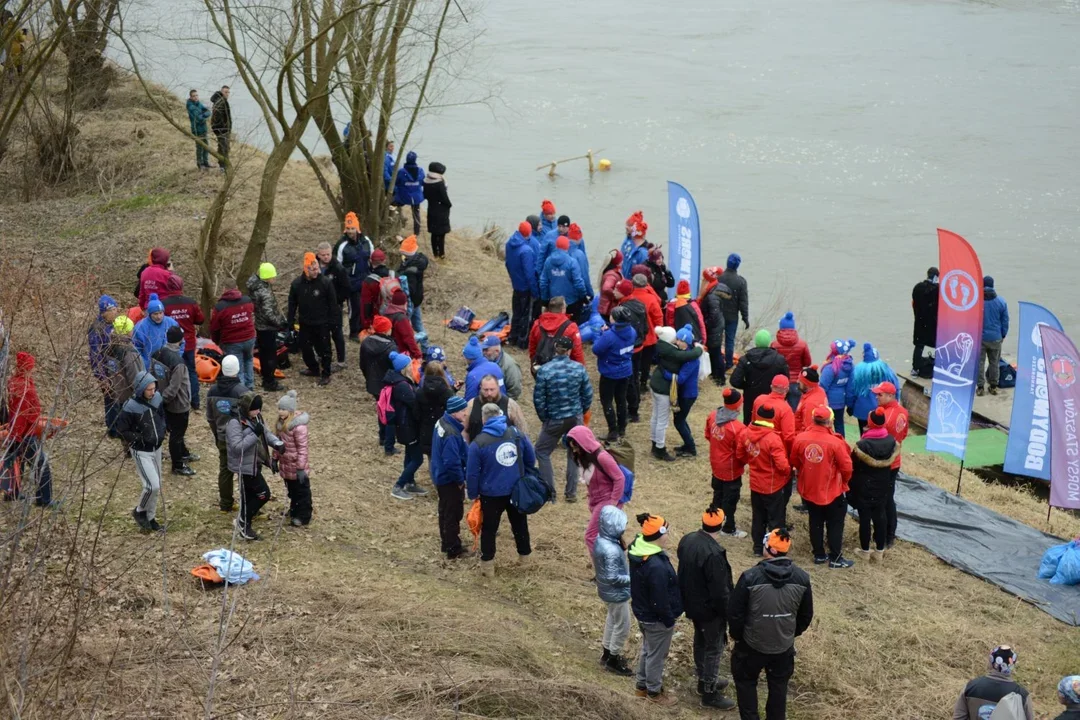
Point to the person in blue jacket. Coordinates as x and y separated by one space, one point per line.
409 188
995 328
835 377
634 250
561 276
449 455
496 460
198 114
547 217
687 382
521 267
614 351
872 371
549 234
149 334
388 165
478 367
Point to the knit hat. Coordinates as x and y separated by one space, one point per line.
876 418
788 321
547 207
563 220
656 255
624 287
640 228
409 246
267 271
732 398
382 325
400 361
378 257
230 366
869 354
525 228
1002 659
564 343
640 280
810 376
352 222
562 243
175 283
574 233
615 260
123 325
492 340
765 412
1069 689
309 260
780 380
410 158
472 350
665 334
652 526
287 401
174 334
734 260
434 353
455 404
988 281
712 519
398 297
159 256
534 222
685 334
641 269
682 290
633 220
762 338
822 415
778 542
105 302
154 305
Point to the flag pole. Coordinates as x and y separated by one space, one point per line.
960 478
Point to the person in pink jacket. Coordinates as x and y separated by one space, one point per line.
293 461
599 471
154 278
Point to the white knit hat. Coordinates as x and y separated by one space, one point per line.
230 366
667 334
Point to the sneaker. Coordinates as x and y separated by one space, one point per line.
684 451
800 508
634 418
296 522
400 493
736 533
717 701
338 367
570 498
229 508
993 390
183 470
841 563
154 525
391 452
308 372
323 381
617 664
414 489
245 533
140 519
821 559
661 698
191 457
273 387
980 392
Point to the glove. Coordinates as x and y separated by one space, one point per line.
746 324
296 327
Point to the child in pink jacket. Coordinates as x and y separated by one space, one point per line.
292 430
600 472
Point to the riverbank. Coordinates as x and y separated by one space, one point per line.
358 615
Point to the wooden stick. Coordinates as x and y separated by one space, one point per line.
587 155
960 478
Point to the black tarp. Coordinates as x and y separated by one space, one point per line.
983 543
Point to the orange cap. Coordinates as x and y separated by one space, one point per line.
778 541
309 259
352 222
409 246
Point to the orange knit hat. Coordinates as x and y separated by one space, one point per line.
778 542
310 259
652 526
409 246
352 222
712 519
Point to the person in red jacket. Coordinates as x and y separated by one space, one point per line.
822 460
550 321
188 315
785 416
24 438
794 349
397 312
371 289
232 326
812 398
610 275
155 277
896 424
685 311
724 431
655 316
770 472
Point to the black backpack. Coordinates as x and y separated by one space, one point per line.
639 320
545 349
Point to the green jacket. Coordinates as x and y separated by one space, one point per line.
670 358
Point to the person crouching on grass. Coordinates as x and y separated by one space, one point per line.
141 425
291 429
249 441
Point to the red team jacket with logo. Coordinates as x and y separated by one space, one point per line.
233 319
724 447
896 424
762 449
188 315
823 462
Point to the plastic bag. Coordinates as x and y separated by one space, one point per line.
1068 569
1050 560
705 366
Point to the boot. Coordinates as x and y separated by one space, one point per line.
662 454
524 560
864 555
993 390
879 556
617 664
487 568
716 700
140 519
605 656
663 699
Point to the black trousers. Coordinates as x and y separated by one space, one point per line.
266 341
299 491
438 244
254 493
708 649
716 359
337 335
748 408
767 513
574 310
315 348
521 321
890 511
633 390
873 516
451 510
725 495
829 516
176 424
746 667
354 313
223 149
647 354
613 401
493 509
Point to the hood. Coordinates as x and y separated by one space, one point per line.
496 426
641 549
255 282
432 177
223 383
622 330
534 221
517 240
788 337
234 294
394 376
550 322
410 159
584 437
612 523
142 381
761 358
989 293
777 570
24 363
877 452
216 96
452 421
756 432
159 256
560 257
301 419
724 415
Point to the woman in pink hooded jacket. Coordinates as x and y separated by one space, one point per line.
292 430
600 472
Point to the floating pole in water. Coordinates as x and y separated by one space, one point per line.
604 164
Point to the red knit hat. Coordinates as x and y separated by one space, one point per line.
562 243
876 419
640 228
682 289
525 228
624 287
547 207
574 233
378 257
633 220
382 325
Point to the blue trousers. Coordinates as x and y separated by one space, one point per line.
414 458
731 328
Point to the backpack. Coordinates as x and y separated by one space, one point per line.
1006 375
623 452
384 407
639 320
1010 707
387 286
628 485
159 370
545 349
530 492
462 320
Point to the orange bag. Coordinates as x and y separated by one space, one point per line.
47 427
258 368
475 518
414 369
207 368
364 333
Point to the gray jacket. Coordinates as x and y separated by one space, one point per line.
247 451
771 605
511 375
122 365
609 557
176 392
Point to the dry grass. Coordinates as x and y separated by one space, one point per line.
358 615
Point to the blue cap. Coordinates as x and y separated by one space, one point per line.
154 305
788 321
734 260
434 353
400 361
492 340
105 302
455 404
472 350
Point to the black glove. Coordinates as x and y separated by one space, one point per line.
746 323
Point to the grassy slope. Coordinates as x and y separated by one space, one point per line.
358 615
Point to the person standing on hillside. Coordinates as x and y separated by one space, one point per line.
992 687
812 397
561 277
507 364
268 321
149 333
492 393
823 463
604 478
705 584
795 352
374 364
685 311
671 354
479 367
354 251
521 267
686 383
995 329
710 303
634 249
176 398
835 376
449 458
614 351
198 114
610 276
221 124
292 429
655 316
770 471
871 484
141 425
221 401
154 278
397 312
724 432
409 189
660 277
122 364
332 268
639 321
924 304
562 395
657 604
431 396
771 605
188 314
554 323
613 587
872 371
23 437
98 337
736 304
312 307
371 289
756 369
232 326
249 442
413 266
438 208
897 425
785 416
406 419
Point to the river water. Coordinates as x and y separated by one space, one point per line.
823 141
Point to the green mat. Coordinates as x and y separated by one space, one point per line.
985 447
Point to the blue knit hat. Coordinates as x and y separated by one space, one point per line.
988 281
472 350
105 302
788 321
154 305
686 334
455 404
400 361
869 353
434 353
734 260
491 341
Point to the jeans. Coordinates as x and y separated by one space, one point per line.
613 401
202 155
254 493
267 343
414 458
493 509
838 422
731 328
521 319
766 514
661 406
193 376
708 650
990 356
551 433
655 645
725 495
417 320
315 348
873 522
616 626
177 424
386 437
746 667
682 426
451 510
829 516
245 353
223 149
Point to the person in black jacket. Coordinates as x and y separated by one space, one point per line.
657 604
141 425
221 123
406 425
431 400
871 484
661 278
734 304
924 303
715 296
375 363
438 208
756 370
705 584
413 266
332 268
312 296
771 605
353 250
221 400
